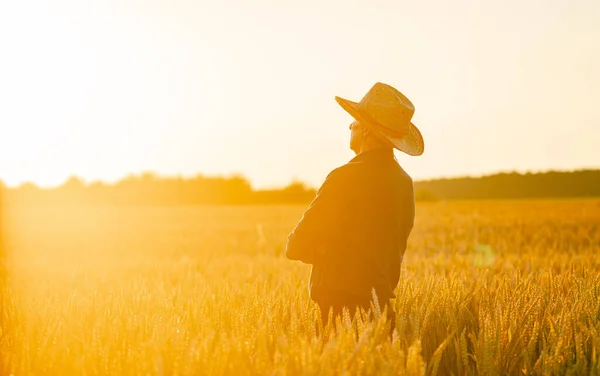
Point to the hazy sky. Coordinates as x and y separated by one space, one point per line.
102 88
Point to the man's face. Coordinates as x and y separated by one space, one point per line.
356 136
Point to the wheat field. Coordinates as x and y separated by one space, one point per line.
488 288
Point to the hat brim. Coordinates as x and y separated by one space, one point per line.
411 143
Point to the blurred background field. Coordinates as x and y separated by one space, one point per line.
487 287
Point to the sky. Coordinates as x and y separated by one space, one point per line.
102 89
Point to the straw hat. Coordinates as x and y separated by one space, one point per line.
387 113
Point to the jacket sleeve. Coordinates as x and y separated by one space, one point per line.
406 224
310 237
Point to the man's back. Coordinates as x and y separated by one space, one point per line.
355 231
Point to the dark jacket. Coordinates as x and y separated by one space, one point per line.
354 233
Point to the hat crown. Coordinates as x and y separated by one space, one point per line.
387 107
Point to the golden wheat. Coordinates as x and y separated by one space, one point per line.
505 287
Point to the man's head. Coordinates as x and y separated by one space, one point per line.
387 114
361 139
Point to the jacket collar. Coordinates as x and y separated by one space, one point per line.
374 154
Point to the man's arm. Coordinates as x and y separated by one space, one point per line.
405 227
310 237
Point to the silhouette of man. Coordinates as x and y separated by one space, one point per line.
355 231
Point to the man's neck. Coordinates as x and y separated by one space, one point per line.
367 148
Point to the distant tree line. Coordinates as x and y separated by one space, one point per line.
150 189
553 184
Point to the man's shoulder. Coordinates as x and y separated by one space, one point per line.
352 167
344 171
339 178
405 176
336 174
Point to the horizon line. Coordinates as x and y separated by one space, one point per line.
157 175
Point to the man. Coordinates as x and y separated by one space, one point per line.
355 231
